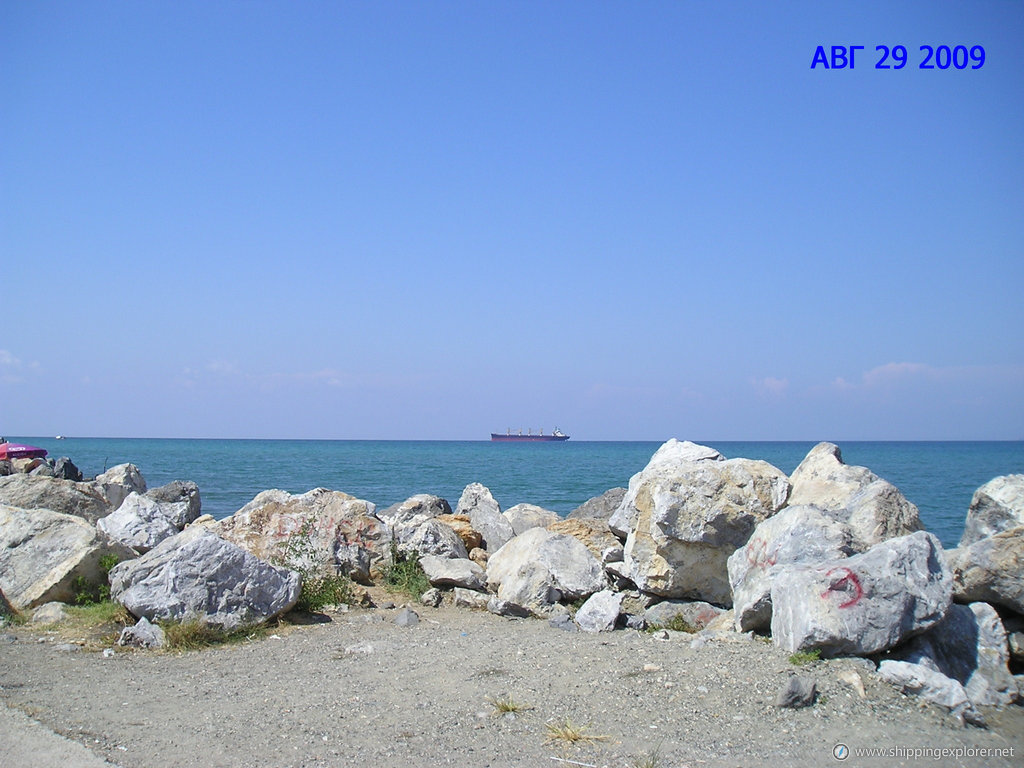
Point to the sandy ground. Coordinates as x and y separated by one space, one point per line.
360 690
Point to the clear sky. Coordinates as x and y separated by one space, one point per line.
632 220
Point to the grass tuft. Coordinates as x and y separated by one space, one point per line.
192 634
567 732
405 574
800 658
504 705
650 759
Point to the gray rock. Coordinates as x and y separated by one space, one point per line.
430 537
415 511
43 470
407 617
523 517
86 500
184 495
599 507
310 531
797 692
432 597
991 570
65 469
694 614
600 613
995 507
532 590
6 468
800 534
7 611
872 508
117 482
44 553
864 604
198 575
667 457
468 598
485 516
501 607
932 686
453 572
574 570
690 516
1015 642
564 622
968 645
50 613
140 523
142 635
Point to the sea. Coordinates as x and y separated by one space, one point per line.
939 477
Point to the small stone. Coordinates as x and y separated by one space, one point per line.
564 622
109 653
142 634
432 597
50 613
798 692
407 617
853 680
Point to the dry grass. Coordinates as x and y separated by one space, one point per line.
506 704
566 732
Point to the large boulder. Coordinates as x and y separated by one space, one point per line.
65 469
995 507
310 531
47 556
530 590
575 572
800 534
600 613
664 461
197 575
694 614
117 482
185 498
485 516
523 517
690 516
86 500
932 686
599 507
140 522
991 570
968 645
873 508
415 527
453 572
863 604
463 527
594 534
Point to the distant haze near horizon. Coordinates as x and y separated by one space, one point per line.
437 221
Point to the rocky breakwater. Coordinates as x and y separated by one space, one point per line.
831 561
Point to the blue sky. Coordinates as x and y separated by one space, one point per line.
633 220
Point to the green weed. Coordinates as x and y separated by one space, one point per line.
405 574
323 583
800 658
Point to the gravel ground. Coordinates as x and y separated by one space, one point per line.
360 690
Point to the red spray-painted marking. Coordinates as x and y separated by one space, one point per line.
757 554
848 584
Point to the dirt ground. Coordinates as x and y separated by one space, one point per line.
357 689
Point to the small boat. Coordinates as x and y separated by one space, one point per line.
557 436
10 451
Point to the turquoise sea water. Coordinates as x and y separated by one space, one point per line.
939 477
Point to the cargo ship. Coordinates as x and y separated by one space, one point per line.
518 437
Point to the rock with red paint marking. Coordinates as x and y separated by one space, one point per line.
863 604
873 508
310 531
801 534
688 511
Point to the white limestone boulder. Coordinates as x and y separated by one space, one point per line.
197 575
872 508
453 572
86 500
969 645
310 531
181 500
931 686
991 570
863 604
485 516
689 516
574 571
800 534
117 482
140 522
43 555
996 506
522 517
665 460
600 612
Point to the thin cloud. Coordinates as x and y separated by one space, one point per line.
771 386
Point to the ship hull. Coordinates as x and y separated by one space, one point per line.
498 438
